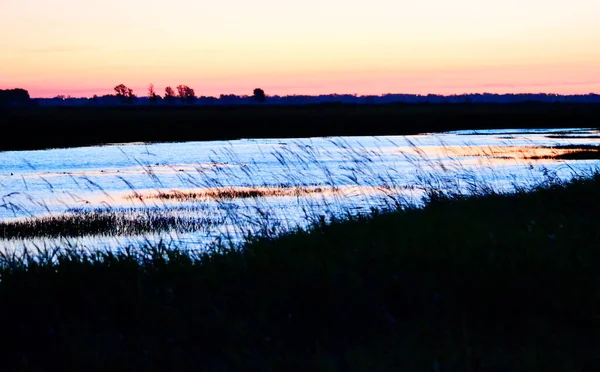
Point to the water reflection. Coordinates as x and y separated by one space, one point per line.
198 192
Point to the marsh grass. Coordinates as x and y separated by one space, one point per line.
491 282
532 152
237 198
238 192
239 195
567 136
572 152
104 223
469 279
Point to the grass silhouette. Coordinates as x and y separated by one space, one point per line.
491 282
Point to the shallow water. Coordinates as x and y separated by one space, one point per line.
349 174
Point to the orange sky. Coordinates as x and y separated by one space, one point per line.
79 48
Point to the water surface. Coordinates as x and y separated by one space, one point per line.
199 192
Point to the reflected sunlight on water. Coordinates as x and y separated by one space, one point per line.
197 192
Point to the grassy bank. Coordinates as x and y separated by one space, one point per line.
485 283
37 128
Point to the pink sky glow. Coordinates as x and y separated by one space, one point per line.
77 48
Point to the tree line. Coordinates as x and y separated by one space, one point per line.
184 93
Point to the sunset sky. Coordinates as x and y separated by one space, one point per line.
81 48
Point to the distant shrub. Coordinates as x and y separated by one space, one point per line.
259 95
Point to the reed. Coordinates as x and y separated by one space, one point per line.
493 281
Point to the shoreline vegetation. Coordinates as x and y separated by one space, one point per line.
490 282
58 127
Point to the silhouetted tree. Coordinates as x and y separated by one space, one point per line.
122 90
259 95
185 93
124 93
169 94
152 96
14 97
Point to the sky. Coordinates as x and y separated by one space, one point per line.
81 48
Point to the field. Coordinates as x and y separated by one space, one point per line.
493 282
68 127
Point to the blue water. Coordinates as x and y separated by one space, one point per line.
58 181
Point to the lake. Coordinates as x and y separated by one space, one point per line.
195 193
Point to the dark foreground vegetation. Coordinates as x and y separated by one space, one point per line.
48 127
485 283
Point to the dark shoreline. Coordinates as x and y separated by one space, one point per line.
57 127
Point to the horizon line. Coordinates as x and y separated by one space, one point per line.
357 95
